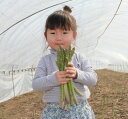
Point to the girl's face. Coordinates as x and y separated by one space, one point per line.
59 37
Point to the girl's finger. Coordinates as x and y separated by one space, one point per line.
71 72
70 64
63 83
62 76
64 80
62 72
67 79
69 68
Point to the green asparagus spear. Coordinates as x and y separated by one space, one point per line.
67 91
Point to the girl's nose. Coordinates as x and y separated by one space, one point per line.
59 37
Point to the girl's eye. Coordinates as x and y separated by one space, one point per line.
52 33
65 32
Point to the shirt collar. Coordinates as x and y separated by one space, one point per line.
52 51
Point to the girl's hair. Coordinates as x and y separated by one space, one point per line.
61 19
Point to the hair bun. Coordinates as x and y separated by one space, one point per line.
67 9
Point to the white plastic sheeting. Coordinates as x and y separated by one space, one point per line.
22 41
12 86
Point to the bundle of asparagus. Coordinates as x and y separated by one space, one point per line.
67 91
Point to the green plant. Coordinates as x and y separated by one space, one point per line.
67 91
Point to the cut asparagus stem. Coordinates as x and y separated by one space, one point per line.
67 91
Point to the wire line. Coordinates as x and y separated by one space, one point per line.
111 20
32 15
98 38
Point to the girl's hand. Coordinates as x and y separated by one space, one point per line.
71 71
61 77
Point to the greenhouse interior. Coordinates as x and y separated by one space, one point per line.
102 35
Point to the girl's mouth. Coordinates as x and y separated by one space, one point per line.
58 43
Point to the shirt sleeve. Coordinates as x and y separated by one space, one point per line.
43 82
85 74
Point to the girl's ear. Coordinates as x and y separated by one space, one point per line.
45 34
74 34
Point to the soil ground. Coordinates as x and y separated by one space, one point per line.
109 99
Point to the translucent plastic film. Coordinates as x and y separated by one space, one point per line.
102 37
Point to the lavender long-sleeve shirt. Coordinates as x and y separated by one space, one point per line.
45 79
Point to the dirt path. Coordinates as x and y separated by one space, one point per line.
109 99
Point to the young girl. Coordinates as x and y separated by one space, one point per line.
60 30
